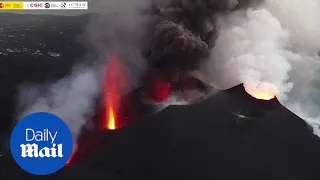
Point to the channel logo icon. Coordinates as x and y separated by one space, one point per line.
47 5
41 143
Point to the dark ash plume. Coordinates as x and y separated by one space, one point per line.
185 31
175 47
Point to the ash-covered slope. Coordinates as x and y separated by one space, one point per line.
227 136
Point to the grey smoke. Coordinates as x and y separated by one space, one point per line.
71 98
185 30
117 30
120 29
277 43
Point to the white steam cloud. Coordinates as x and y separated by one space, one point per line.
72 98
275 43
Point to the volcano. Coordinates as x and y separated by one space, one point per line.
228 135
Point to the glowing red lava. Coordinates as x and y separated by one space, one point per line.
115 83
160 89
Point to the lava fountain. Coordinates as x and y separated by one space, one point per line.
115 83
111 120
261 91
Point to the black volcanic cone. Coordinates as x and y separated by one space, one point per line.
230 135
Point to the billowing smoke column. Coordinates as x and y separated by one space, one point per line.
185 31
71 98
273 43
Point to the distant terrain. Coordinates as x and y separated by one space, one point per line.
35 48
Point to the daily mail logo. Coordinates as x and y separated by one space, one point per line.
41 143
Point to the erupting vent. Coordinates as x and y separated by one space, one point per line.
122 106
115 83
159 90
262 91
111 122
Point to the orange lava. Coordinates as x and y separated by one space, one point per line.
111 119
262 91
